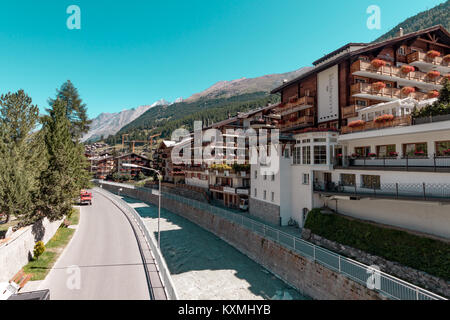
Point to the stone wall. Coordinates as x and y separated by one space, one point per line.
307 276
265 211
18 250
419 278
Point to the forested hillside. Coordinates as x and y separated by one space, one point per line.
165 119
437 15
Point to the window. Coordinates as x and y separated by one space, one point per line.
371 182
265 176
306 141
297 155
265 194
320 140
385 151
362 151
286 153
306 155
443 148
401 51
348 180
273 176
320 154
256 192
305 178
361 103
359 80
415 149
273 196
256 174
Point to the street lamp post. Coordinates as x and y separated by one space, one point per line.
159 194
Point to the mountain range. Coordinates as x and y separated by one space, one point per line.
106 124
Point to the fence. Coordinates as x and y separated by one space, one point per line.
386 284
416 191
162 268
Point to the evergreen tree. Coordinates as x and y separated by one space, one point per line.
60 182
22 156
76 110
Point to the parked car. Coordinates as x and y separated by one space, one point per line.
85 197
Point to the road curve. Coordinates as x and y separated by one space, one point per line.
105 252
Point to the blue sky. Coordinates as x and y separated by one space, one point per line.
132 53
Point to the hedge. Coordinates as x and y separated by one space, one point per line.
428 255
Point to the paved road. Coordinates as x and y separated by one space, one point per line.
105 250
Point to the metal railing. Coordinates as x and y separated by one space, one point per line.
418 191
161 265
414 163
384 283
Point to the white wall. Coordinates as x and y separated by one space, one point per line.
427 217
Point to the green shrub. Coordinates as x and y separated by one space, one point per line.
39 249
428 255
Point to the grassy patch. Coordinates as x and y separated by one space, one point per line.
5 226
41 267
431 256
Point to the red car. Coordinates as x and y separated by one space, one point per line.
85 197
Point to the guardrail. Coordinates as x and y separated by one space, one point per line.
384 283
161 265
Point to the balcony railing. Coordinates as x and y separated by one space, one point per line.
423 57
304 121
433 163
396 72
372 125
294 106
388 93
412 191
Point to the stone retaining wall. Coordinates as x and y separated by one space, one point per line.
18 250
265 211
307 276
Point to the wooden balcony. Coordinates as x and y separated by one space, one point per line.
350 111
366 90
391 73
372 125
294 105
301 122
422 57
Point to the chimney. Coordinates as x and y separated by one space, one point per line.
400 32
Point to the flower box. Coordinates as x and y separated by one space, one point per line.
393 154
433 94
419 153
384 118
378 85
356 124
433 54
372 155
378 63
408 90
407 69
433 74
447 76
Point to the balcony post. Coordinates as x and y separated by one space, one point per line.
407 162
396 189
434 160
424 193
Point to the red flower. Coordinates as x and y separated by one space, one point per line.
433 74
433 94
378 63
384 118
356 123
407 69
408 90
379 85
433 54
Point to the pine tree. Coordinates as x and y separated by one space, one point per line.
60 182
75 109
22 156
